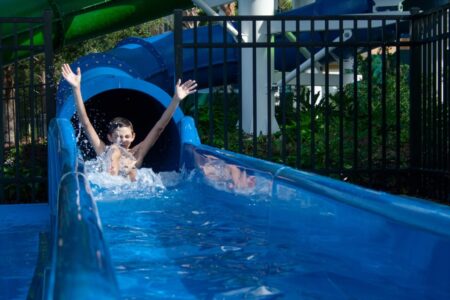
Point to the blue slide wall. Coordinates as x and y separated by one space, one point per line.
135 80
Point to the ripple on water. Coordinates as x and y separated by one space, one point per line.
259 292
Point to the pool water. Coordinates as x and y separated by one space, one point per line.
20 229
192 241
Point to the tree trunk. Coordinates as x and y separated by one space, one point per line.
9 107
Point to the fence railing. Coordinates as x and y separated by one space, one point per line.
26 106
430 113
337 95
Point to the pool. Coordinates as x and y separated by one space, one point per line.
193 241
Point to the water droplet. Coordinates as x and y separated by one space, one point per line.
229 248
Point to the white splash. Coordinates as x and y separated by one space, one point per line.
110 187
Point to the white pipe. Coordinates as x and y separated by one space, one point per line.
210 12
256 8
317 56
292 38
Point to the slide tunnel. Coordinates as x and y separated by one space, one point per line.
135 80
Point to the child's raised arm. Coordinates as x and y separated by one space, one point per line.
181 92
75 82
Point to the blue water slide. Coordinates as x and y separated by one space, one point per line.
152 60
80 258
135 80
315 39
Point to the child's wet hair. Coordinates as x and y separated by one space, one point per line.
118 123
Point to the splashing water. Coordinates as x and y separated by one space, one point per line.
109 187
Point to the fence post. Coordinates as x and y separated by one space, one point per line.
49 67
178 43
2 141
415 120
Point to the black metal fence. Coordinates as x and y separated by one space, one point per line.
26 106
360 98
430 113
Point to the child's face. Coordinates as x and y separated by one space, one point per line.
123 136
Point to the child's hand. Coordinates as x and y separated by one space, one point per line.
70 77
185 89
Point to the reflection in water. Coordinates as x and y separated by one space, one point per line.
233 178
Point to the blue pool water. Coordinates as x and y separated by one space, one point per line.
193 241
20 226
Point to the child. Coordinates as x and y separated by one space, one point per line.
124 160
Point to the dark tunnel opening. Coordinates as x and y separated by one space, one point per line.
143 111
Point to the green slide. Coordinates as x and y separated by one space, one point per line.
79 20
